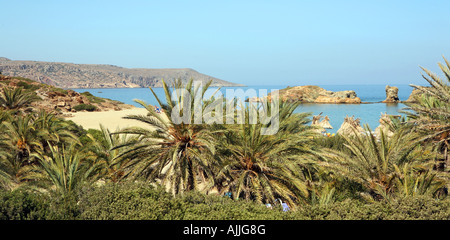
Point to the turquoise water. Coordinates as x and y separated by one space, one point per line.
368 113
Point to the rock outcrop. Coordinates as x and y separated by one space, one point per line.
60 101
350 126
391 95
385 125
325 123
321 124
314 94
413 97
69 75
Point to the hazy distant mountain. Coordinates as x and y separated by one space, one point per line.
69 75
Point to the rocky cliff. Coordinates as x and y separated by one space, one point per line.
69 75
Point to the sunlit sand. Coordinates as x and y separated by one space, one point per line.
109 119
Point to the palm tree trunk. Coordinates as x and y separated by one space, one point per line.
446 160
190 183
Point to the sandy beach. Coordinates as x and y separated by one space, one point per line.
110 119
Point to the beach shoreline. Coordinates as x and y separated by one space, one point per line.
112 119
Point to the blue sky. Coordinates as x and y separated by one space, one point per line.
249 42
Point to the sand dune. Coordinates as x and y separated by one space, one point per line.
110 119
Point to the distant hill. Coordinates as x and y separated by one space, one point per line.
70 75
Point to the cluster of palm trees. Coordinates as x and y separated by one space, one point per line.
296 165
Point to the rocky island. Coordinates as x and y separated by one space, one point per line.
314 94
391 95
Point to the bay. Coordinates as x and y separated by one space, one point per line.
368 113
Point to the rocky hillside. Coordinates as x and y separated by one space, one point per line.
69 75
315 94
60 101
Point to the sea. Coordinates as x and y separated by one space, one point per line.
367 113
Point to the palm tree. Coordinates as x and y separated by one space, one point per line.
21 138
18 140
417 179
63 170
179 154
53 130
106 158
265 168
322 194
9 170
431 114
15 98
373 161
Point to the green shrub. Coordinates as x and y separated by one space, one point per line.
92 98
59 90
27 86
199 206
97 134
411 208
23 205
87 107
128 201
87 94
142 201
24 79
63 208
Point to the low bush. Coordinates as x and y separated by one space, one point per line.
142 201
23 205
97 134
27 86
128 201
410 208
199 206
87 107
92 98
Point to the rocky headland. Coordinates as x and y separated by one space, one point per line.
69 75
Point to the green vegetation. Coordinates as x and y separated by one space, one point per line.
51 168
431 114
15 98
92 98
58 90
27 86
24 79
141 201
87 107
